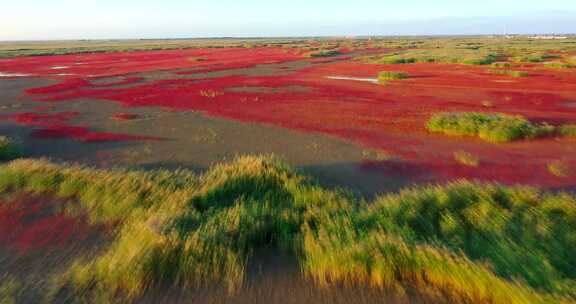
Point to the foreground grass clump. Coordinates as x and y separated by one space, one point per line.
476 243
490 127
8 149
386 76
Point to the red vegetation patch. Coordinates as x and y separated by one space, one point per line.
55 126
29 223
390 117
79 83
112 64
69 84
39 119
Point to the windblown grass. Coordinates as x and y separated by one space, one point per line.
10 289
494 127
473 242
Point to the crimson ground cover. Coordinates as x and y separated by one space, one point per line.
390 118
111 64
29 223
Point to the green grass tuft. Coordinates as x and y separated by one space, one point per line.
386 76
510 73
568 130
325 53
558 65
495 127
8 149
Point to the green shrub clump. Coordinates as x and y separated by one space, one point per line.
509 73
568 130
501 65
558 65
8 149
495 127
387 76
395 60
327 53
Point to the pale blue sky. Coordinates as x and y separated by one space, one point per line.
76 19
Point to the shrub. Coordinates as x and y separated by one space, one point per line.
531 58
551 56
395 60
483 60
327 53
490 127
386 76
500 65
8 149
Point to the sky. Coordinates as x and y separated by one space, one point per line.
113 19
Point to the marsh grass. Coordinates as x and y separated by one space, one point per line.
531 58
479 243
10 289
510 73
324 53
568 130
492 127
9 149
437 55
558 65
387 76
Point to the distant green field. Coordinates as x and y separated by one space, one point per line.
468 50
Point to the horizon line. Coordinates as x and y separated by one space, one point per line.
294 37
